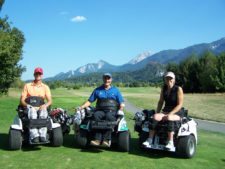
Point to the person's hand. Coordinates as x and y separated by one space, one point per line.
43 107
165 118
29 106
79 108
120 112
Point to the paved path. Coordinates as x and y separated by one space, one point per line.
202 124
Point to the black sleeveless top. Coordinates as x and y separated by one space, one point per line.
170 98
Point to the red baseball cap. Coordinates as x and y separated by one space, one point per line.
38 70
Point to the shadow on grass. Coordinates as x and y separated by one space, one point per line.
69 142
156 154
4 141
27 148
5 146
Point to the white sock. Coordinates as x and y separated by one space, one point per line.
170 142
149 140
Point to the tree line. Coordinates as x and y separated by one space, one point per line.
76 85
11 44
200 74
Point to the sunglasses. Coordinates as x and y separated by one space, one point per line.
37 74
168 78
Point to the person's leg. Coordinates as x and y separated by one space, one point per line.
109 116
98 116
43 114
171 119
33 132
156 118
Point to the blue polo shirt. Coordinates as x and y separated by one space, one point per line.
102 93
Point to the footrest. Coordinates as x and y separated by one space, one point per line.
39 143
37 123
103 124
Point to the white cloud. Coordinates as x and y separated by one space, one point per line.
78 19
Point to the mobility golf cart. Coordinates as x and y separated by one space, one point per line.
185 136
19 130
85 126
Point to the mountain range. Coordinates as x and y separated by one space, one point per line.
144 60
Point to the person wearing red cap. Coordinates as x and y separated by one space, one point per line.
37 88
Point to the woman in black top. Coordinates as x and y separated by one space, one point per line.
172 95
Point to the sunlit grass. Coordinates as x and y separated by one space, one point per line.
203 106
210 150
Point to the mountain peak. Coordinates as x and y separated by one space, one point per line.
140 57
101 61
146 58
217 44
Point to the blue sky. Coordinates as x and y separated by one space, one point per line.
64 35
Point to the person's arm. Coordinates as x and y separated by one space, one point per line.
122 105
86 104
23 96
22 101
180 96
91 99
160 102
120 100
48 98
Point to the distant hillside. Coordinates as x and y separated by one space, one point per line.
152 72
176 56
140 62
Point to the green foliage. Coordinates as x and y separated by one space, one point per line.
208 72
11 44
17 83
1 4
203 74
220 79
174 67
189 74
149 76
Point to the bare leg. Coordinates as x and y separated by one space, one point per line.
157 117
173 117
170 136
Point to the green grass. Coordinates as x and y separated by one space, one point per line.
203 106
210 150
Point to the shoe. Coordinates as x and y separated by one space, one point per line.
170 146
95 142
148 143
43 139
35 140
106 143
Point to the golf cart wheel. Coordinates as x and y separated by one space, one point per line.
15 139
81 139
186 146
124 141
142 137
57 137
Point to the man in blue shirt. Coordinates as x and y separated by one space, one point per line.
105 91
